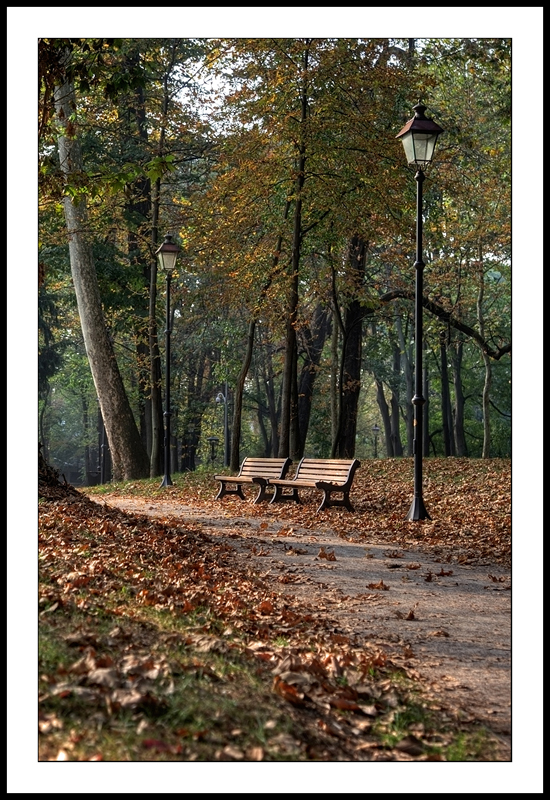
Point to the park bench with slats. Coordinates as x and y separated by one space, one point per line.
331 476
258 471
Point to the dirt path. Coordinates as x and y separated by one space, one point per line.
451 623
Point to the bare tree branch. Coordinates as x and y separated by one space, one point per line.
446 316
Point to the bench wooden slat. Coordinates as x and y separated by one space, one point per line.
253 470
327 475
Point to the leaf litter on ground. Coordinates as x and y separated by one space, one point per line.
130 571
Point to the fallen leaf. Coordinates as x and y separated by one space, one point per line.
295 551
233 752
48 723
155 744
329 726
410 745
288 692
103 677
369 711
343 705
379 585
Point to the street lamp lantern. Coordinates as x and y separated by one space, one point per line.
167 255
419 137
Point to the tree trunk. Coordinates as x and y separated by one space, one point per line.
395 427
274 410
267 448
156 456
406 362
41 426
385 414
238 405
290 361
87 454
142 352
352 340
426 409
334 372
314 336
486 452
140 206
446 412
289 391
460 437
129 457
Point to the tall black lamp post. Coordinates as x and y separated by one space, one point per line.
167 255
419 137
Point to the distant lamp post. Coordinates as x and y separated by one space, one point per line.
223 398
376 431
213 441
419 137
167 255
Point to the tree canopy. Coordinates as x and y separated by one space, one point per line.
275 164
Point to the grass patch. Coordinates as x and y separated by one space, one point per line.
476 746
135 689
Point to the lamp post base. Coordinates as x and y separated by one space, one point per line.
167 481
417 510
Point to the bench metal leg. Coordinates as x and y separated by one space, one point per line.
224 490
279 497
262 495
327 502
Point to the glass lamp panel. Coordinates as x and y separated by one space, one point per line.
408 145
167 261
424 144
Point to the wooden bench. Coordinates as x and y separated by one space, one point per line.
253 470
329 475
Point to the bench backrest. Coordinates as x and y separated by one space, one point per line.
331 470
265 467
